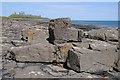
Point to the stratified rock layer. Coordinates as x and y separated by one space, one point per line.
104 34
33 53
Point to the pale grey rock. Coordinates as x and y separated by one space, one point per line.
17 43
9 73
30 72
82 75
96 45
105 34
9 65
55 70
102 46
33 36
117 67
21 65
33 53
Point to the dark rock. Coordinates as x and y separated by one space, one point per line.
85 27
60 30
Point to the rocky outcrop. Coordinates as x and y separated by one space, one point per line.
104 34
33 53
60 30
27 52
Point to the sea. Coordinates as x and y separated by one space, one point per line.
113 24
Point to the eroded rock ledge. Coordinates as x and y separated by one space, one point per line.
67 51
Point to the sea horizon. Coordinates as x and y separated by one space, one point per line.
99 23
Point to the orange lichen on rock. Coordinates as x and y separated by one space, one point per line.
63 51
30 34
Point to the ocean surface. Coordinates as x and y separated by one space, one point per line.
97 23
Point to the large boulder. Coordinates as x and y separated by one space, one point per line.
33 53
60 30
104 34
82 59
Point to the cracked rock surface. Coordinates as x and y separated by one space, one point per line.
57 49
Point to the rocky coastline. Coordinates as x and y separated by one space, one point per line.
59 49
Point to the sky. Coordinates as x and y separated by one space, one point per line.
60 0
74 10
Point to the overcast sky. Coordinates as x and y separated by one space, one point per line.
74 10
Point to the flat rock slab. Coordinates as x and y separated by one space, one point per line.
105 34
33 53
82 59
96 45
29 72
55 70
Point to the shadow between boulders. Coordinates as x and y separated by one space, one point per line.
55 63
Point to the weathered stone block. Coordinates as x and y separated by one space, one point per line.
60 30
82 59
33 53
